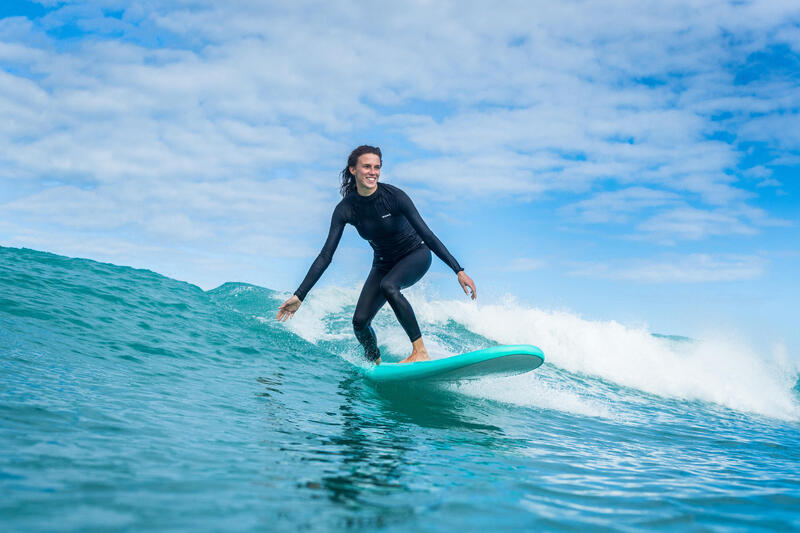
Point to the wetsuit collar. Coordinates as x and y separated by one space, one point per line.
371 197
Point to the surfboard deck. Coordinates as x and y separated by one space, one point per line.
490 362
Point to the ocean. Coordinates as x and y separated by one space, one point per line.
130 401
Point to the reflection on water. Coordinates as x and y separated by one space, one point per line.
372 454
428 405
378 471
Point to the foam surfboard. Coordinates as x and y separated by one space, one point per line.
490 362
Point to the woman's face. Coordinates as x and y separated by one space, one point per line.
367 171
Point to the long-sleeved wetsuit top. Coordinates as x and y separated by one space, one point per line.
388 220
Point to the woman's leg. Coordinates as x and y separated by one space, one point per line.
379 287
403 274
369 303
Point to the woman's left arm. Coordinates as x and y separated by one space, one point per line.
410 211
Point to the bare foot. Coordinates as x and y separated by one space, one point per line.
418 353
416 357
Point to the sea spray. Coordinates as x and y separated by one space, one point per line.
724 371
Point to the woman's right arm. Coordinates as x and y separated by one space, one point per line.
324 258
290 306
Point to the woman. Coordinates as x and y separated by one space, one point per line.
384 216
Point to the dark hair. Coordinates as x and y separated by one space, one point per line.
348 180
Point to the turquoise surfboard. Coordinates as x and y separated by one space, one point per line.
491 362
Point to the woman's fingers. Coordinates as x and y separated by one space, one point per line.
287 309
283 315
465 282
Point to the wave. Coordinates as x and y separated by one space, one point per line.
585 356
593 368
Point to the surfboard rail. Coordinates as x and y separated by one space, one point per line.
496 361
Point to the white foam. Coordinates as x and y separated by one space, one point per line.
528 390
715 368
323 317
312 320
718 368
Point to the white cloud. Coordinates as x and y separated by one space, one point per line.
524 264
243 216
689 223
694 268
694 224
781 129
790 35
180 122
617 206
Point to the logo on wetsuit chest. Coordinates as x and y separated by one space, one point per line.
386 215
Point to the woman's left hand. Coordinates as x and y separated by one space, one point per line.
465 282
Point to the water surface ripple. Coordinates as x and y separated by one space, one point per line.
131 401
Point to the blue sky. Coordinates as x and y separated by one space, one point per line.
630 161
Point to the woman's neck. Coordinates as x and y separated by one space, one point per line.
366 192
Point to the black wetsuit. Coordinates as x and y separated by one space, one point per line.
402 242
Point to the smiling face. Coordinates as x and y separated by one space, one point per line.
367 171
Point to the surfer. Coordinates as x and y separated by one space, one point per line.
384 216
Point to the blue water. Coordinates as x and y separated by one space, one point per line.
131 401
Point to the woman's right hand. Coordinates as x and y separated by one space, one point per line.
289 308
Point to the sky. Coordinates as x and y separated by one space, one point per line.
633 160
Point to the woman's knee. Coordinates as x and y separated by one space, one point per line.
360 322
390 289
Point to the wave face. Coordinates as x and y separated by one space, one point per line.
131 400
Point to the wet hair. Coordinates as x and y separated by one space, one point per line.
348 179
